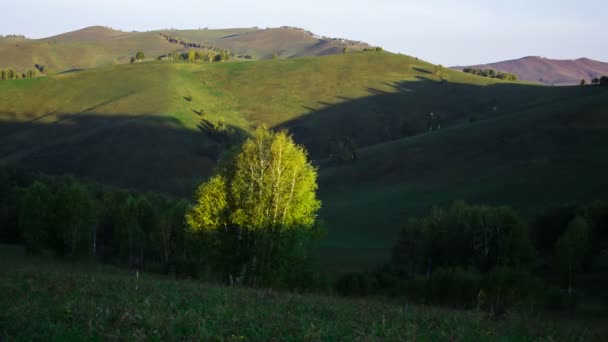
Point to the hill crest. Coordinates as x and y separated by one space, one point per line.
549 71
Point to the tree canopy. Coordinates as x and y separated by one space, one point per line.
265 196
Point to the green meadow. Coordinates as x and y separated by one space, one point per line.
46 299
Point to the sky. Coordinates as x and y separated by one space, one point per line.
448 32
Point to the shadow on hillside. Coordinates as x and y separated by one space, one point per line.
154 152
146 152
410 108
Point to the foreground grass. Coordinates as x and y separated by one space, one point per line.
43 299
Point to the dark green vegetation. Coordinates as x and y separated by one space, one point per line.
488 257
491 73
44 299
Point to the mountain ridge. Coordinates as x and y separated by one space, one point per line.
548 71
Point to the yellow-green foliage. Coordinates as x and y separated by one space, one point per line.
274 185
212 201
270 184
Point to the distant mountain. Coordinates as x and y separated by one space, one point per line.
97 45
549 71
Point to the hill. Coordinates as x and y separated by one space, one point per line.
99 46
487 140
106 116
550 71
48 299
542 155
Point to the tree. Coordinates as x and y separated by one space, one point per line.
570 250
168 232
463 236
35 216
265 199
139 56
604 81
75 216
583 82
130 236
191 56
595 80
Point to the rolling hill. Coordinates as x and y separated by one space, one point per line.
99 46
491 141
550 71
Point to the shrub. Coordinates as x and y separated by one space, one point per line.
505 287
354 285
560 300
453 287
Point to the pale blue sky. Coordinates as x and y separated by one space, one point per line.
441 31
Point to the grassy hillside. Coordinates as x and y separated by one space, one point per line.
87 48
133 125
542 155
117 115
44 299
100 46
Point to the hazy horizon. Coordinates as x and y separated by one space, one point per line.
467 33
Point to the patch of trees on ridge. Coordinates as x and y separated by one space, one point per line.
14 36
10 74
491 73
198 55
602 81
186 44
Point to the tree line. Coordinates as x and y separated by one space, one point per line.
491 73
252 223
186 44
469 256
10 74
601 81
198 55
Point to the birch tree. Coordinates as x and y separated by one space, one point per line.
570 250
264 197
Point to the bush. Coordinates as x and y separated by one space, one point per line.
560 300
453 287
504 287
354 285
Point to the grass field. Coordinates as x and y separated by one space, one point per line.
505 143
44 299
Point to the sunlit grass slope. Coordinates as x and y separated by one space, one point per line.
44 299
100 46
